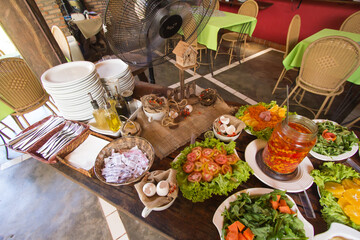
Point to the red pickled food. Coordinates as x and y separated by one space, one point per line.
289 144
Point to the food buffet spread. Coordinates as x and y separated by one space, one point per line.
202 165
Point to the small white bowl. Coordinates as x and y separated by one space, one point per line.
154 116
225 138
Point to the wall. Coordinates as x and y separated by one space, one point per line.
52 14
273 22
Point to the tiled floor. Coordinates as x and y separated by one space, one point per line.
39 203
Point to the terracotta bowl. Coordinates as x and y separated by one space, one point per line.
121 145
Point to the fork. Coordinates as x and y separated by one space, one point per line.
63 142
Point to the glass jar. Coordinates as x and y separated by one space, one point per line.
289 144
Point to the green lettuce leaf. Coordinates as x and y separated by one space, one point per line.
333 172
256 213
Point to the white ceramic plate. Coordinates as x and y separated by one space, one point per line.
112 68
105 132
218 219
340 157
299 183
68 73
339 230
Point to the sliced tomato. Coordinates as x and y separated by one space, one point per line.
207 152
205 160
197 148
197 151
188 167
212 168
221 159
198 166
226 168
232 158
194 177
216 152
191 157
207 177
328 136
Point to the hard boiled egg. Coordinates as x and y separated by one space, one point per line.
224 120
222 128
149 189
162 188
230 130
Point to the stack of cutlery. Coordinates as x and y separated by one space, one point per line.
26 139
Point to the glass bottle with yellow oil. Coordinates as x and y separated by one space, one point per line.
99 115
111 118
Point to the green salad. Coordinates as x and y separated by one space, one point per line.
210 175
266 223
333 172
333 139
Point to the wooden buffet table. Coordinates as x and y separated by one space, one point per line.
184 219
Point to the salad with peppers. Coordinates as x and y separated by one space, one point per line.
269 216
209 167
334 139
261 119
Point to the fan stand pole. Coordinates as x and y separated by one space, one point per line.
151 75
182 81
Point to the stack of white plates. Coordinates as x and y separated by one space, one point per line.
69 85
114 72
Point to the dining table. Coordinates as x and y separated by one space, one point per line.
225 20
185 219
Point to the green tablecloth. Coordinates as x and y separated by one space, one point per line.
294 58
230 21
4 111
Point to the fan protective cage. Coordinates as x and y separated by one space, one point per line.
137 30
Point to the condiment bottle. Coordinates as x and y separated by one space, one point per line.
112 118
99 114
127 95
121 106
289 144
111 100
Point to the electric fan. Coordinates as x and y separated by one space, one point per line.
136 30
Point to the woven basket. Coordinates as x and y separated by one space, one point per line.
66 149
121 145
61 155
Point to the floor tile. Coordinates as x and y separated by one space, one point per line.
106 207
124 237
115 224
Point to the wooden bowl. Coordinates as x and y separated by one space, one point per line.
121 145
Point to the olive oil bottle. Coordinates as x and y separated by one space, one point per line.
112 118
99 114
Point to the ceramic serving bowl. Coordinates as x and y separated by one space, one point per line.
230 120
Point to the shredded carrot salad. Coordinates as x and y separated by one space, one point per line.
252 117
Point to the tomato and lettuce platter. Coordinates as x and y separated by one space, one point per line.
334 142
339 189
261 119
209 167
261 213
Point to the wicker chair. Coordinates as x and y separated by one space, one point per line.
249 8
326 65
20 89
2 53
352 23
291 41
62 41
